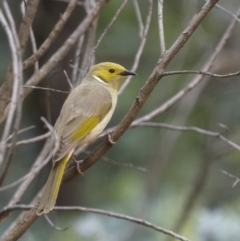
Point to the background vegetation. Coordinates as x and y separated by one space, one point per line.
183 188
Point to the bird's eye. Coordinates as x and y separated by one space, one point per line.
111 70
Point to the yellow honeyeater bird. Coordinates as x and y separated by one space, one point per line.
84 115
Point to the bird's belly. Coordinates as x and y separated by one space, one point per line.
100 126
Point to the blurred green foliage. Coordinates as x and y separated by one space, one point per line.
173 159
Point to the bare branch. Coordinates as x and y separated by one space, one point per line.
140 48
139 18
32 37
32 140
7 87
125 165
170 102
103 34
15 183
105 213
52 36
15 103
202 73
68 80
75 65
21 131
160 26
61 52
232 176
191 128
43 88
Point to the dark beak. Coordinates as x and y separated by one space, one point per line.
127 72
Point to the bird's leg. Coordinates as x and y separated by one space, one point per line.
110 140
77 162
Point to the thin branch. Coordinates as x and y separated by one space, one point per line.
232 176
52 36
140 48
125 165
15 103
197 80
191 128
105 213
7 87
21 131
160 26
68 80
104 33
15 183
32 140
86 62
60 53
32 37
43 88
202 73
66 47
139 18
75 64
228 12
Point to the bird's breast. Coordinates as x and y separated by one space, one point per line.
101 125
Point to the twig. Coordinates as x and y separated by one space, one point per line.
66 47
32 140
177 97
21 131
105 213
139 18
32 37
52 36
86 62
125 165
75 64
228 12
160 26
140 48
15 183
15 103
232 176
104 33
43 88
194 129
202 73
68 80
23 33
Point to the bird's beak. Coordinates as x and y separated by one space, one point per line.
127 72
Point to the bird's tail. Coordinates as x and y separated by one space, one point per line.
50 192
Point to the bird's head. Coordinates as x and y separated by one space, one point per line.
109 74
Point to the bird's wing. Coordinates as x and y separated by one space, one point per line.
80 114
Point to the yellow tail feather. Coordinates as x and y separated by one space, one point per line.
50 192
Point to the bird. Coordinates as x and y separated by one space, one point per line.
84 115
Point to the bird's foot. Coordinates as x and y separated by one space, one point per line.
110 140
78 163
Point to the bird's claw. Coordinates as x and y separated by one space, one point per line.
78 162
110 140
